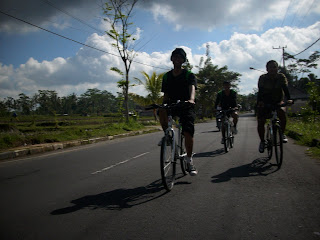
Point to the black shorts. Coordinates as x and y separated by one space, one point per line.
186 119
266 113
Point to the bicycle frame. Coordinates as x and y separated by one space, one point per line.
274 136
226 129
171 124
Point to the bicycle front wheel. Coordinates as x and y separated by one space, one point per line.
278 144
167 163
269 142
226 139
182 152
231 138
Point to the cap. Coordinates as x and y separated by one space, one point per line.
181 52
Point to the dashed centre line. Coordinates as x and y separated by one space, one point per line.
119 163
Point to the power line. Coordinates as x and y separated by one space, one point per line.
70 15
311 5
307 48
70 39
286 13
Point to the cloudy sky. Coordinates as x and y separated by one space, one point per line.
240 33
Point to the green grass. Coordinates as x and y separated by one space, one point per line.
28 131
304 132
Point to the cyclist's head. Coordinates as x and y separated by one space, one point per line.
272 67
226 85
226 82
181 52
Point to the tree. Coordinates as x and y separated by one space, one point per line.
152 85
302 65
69 104
118 14
48 102
25 104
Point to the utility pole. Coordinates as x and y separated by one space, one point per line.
282 54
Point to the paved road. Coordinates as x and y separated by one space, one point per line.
112 190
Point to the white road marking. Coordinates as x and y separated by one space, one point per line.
119 163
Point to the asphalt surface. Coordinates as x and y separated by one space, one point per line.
112 190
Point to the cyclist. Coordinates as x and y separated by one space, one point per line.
226 99
272 87
180 84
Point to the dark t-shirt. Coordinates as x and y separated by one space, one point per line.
225 101
177 87
271 88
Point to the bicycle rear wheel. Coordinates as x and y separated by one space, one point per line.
182 152
269 142
167 163
278 144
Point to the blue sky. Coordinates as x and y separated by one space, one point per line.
241 34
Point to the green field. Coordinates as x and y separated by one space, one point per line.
28 130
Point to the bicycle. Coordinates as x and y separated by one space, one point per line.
274 135
172 150
227 134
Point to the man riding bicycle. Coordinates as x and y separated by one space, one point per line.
226 99
180 84
271 90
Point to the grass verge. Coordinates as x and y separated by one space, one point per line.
23 133
306 134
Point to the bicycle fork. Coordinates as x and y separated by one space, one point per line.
170 133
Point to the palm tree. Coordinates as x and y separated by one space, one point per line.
153 85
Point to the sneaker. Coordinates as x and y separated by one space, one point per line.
159 144
191 169
284 139
261 146
222 141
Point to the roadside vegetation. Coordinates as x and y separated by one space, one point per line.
305 130
24 130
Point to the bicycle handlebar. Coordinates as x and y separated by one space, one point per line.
277 106
178 104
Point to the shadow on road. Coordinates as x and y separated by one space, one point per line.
214 131
209 154
115 200
259 167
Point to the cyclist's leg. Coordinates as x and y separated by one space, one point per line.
235 117
261 122
282 118
163 117
187 119
188 143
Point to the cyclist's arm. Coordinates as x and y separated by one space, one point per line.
165 98
234 103
218 100
192 92
260 93
286 92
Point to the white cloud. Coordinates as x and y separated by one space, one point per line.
90 68
242 51
210 14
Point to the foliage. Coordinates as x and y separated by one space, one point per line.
64 128
152 84
302 65
305 133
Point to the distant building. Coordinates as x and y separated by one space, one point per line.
300 98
